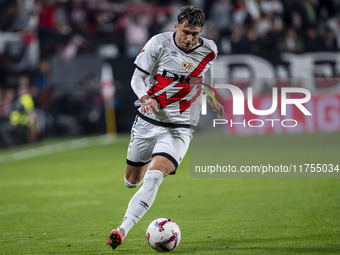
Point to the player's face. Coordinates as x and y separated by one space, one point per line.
187 36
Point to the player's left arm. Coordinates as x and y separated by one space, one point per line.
218 107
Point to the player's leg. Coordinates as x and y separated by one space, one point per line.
139 152
138 157
142 200
145 196
134 175
167 155
162 164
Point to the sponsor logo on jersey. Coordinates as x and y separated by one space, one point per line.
187 66
174 53
187 84
180 78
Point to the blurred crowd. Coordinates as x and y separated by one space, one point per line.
34 31
264 26
240 26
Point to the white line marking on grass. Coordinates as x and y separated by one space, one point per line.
58 147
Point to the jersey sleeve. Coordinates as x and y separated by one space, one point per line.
209 75
147 58
212 45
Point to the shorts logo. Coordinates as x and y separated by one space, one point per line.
187 66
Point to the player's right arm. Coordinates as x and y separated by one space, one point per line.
145 62
138 86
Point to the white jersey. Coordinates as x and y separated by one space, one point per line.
173 77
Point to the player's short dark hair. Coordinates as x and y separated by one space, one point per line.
191 14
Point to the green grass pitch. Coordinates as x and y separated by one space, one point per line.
64 197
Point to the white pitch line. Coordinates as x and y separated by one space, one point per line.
54 148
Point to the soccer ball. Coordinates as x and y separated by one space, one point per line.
163 234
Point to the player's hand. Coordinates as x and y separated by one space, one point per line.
218 108
149 105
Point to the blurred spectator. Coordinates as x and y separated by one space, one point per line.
136 33
308 12
213 33
239 43
327 8
42 75
80 17
219 26
254 43
24 104
2 115
71 48
42 81
271 6
239 13
252 9
220 16
290 42
54 29
27 15
8 102
105 22
17 130
334 24
269 22
329 40
296 22
172 17
269 42
9 17
312 41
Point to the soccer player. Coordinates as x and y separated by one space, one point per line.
168 71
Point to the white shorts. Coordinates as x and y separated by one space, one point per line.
149 140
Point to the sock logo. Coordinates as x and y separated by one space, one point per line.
145 205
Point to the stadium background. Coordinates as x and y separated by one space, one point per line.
58 49
58 192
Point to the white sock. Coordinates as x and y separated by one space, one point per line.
130 185
142 200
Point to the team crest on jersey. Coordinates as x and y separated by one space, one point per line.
187 66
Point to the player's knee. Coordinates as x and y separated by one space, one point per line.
131 184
